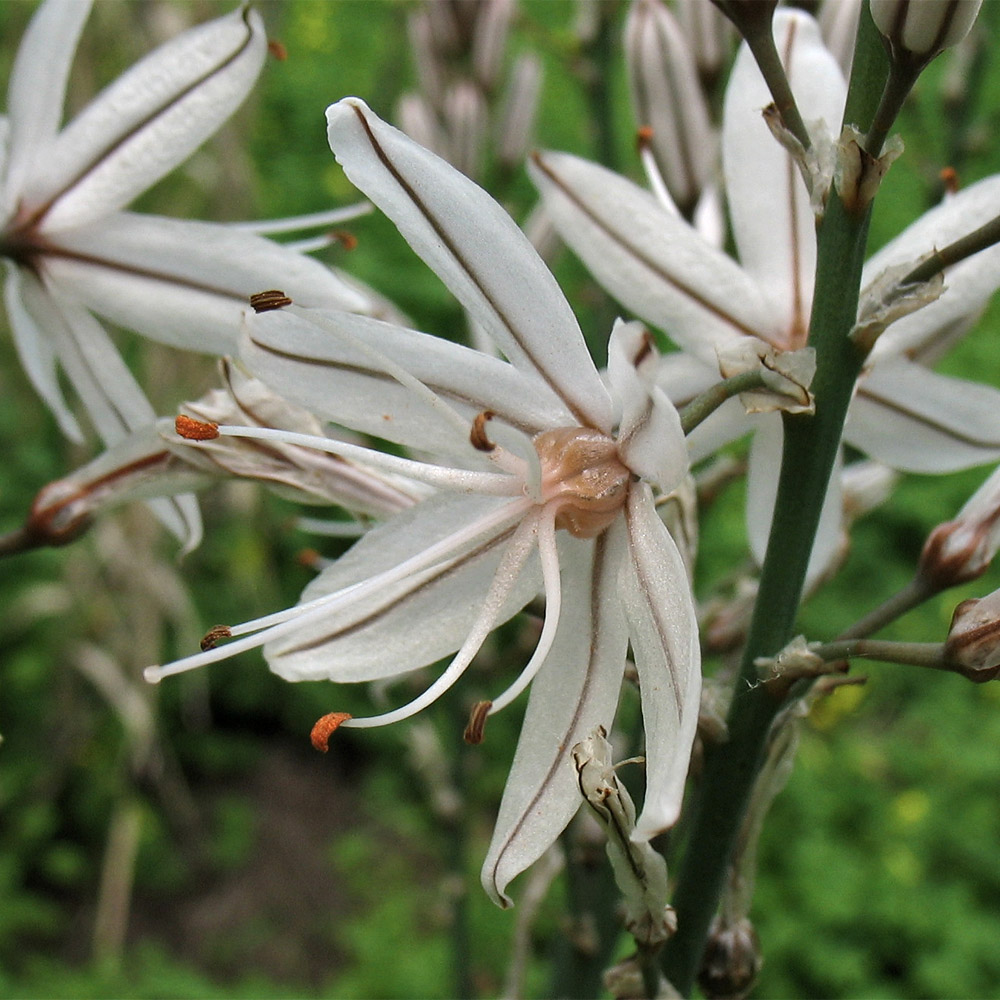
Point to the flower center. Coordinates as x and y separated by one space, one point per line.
583 479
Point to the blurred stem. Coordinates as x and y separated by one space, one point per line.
114 897
599 52
585 950
912 595
810 448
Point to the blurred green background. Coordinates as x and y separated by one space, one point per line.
186 841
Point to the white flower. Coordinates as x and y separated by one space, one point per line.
525 448
903 414
71 251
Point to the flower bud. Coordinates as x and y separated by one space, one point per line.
962 549
973 643
731 960
923 28
667 97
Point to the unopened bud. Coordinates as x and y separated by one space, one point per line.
668 102
962 549
731 960
973 643
923 28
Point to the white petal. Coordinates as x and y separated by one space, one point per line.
149 120
762 489
916 420
36 351
650 438
575 691
185 283
113 398
37 89
650 260
309 358
773 223
968 286
411 623
476 249
663 628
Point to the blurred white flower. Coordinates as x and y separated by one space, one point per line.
69 249
523 448
903 414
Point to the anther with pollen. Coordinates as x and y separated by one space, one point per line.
476 728
643 137
949 178
325 727
274 298
195 430
212 637
478 433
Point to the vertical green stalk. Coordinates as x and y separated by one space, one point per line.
810 449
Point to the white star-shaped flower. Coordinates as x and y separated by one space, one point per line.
544 480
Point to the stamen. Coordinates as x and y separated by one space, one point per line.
514 558
277 49
477 435
325 728
262 630
345 238
553 607
196 430
441 476
476 728
213 636
655 179
267 301
949 178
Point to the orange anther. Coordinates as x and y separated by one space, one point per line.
195 430
325 728
277 50
949 178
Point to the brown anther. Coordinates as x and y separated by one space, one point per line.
211 638
476 728
195 430
325 728
308 558
478 433
645 349
274 298
345 238
643 137
949 178
277 49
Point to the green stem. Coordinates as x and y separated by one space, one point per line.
915 654
711 399
765 53
810 449
987 235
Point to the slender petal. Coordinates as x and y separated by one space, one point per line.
412 622
650 439
773 223
650 259
338 366
182 282
148 121
113 398
476 249
663 628
37 351
37 89
919 421
575 691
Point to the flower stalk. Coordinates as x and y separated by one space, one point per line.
810 450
